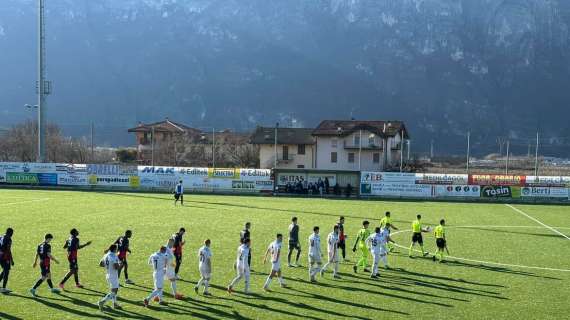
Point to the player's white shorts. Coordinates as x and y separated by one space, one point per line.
243 269
158 278
170 274
315 259
276 266
333 257
113 281
383 250
205 272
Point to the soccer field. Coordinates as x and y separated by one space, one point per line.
503 264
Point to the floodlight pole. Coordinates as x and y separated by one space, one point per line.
508 157
536 155
43 86
275 161
468 149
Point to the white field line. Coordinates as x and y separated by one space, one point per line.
491 262
21 202
535 220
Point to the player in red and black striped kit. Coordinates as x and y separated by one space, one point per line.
72 245
43 254
342 238
6 259
177 249
123 247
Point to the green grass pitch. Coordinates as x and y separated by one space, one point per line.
414 288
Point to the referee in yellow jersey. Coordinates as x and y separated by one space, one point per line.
440 241
417 236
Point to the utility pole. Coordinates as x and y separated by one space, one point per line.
43 86
409 146
402 152
468 149
431 150
360 150
213 147
275 161
508 157
92 149
152 145
536 155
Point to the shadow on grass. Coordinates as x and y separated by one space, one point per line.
456 263
9 317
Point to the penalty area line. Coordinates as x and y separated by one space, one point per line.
535 220
21 202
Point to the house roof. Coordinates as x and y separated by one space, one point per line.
164 126
386 128
266 135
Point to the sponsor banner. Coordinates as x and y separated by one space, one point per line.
283 178
266 185
72 179
223 173
544 192
39 167
497 180
255 174
71 168
22 178
388 177
547 181
457 191
439 178
198 172
47 179
314 178
114 181
112 170
239 184
500 192
162 182
397 190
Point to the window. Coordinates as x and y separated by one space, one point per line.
285 152
334 142
357 140
301 149
376 157
351 157
371 140
300 166
333 157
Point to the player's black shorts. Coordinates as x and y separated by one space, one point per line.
342 244
294 245
73 264
45 270
177 196
417 237
440 242
5 264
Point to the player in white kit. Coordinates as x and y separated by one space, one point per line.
275 250
376 243
332 247
111 263
171 270
158 261
205 267
315 255
242 266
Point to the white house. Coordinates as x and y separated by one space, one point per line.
295 147
359 145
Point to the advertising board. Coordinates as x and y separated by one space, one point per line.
457 191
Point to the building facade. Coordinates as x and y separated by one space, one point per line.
295 147
359 145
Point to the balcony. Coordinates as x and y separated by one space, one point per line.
365 146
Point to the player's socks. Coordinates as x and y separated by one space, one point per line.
173 287
281 281
76 278
50 284
410 251
200 282
423 251
38 283
206 284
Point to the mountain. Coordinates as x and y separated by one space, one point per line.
495 67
